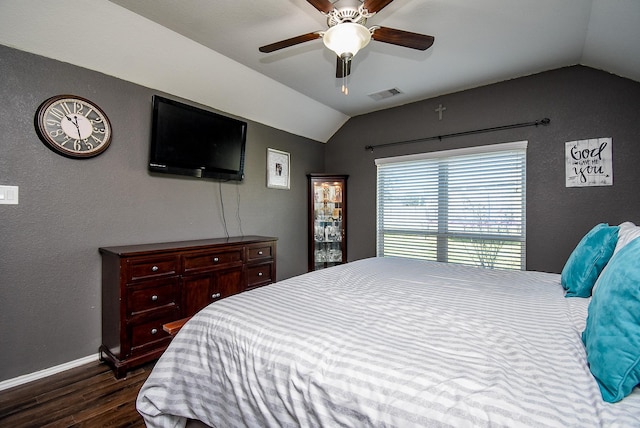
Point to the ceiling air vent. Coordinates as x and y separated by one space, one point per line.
385 94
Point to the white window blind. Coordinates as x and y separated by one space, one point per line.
459 206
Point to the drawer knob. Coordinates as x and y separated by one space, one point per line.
154 298
215 295
216 259
154 330
259 253
155 269
259 273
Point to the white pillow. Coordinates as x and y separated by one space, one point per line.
627 233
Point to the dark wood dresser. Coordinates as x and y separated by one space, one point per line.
146 286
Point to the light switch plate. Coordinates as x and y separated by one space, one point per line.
9 195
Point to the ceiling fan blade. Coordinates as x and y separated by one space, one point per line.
403 38
289 42
324 6
340 70
374 6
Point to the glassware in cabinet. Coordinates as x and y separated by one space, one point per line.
327 220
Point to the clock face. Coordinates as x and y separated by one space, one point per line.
73 126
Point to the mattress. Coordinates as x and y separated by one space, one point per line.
386 342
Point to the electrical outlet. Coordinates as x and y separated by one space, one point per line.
9 195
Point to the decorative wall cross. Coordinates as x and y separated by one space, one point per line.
439 110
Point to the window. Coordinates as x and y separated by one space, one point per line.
462 206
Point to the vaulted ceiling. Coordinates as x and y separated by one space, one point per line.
476 43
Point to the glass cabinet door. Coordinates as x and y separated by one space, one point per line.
327 220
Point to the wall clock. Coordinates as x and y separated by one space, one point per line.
73 126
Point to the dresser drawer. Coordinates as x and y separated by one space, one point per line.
151 331
140 269
152 295
258 252
259 274
211 259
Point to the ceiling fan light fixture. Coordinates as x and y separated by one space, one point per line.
346 39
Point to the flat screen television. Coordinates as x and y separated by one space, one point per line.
186 140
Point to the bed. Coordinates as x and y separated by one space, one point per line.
386 342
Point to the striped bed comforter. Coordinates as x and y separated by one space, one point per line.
386 342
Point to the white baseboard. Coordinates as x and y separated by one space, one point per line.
20 380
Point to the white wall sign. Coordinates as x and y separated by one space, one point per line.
589 163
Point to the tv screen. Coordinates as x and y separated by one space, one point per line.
187 140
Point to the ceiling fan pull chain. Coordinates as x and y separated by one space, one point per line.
345 76
346 84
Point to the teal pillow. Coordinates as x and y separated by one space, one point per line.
612 335
588 259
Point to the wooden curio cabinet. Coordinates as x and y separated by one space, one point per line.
327 220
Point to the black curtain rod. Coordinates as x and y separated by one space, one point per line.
544 122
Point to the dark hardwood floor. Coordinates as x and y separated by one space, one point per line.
86 396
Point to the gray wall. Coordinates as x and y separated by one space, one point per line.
581 102
49 260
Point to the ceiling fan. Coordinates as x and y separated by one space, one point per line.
347 33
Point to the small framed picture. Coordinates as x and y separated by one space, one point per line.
278 169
